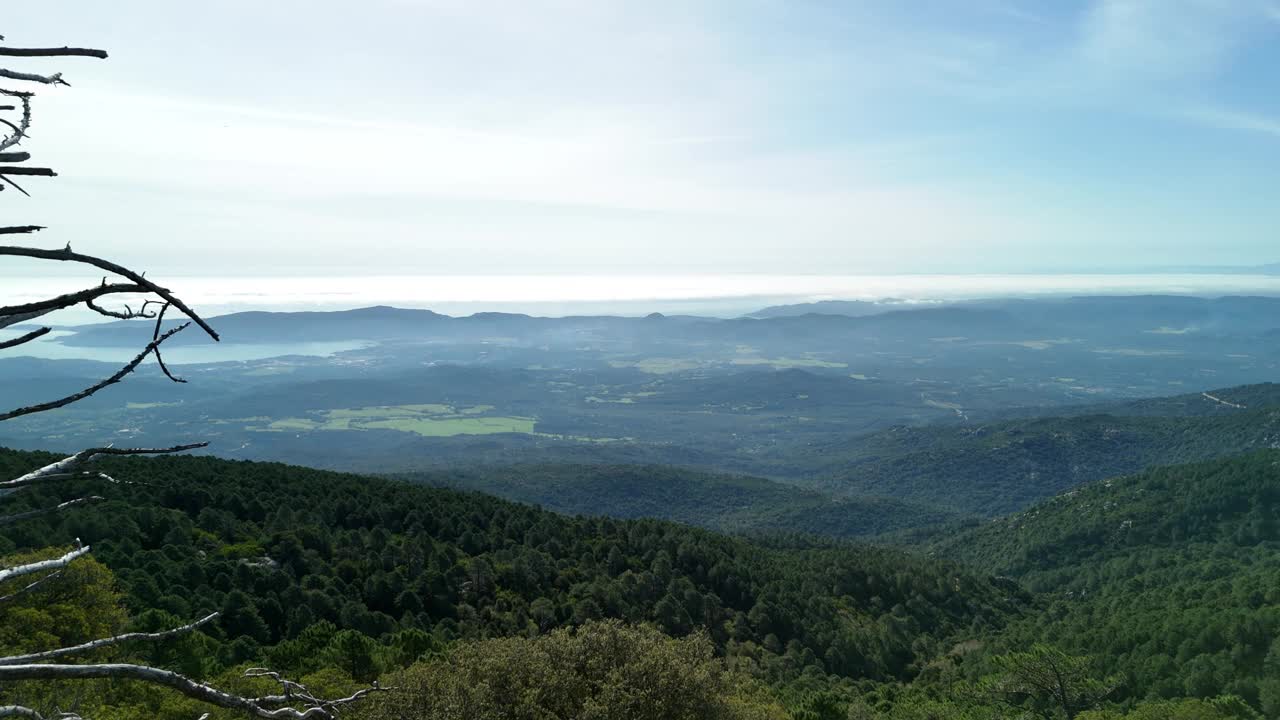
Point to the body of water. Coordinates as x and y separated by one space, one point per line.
48 348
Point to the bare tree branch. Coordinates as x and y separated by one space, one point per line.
26 480
128 313
53 52
15 342
7 320
64 468
154 336
17 517
19 711
35 567
19 130
36 171
186 686
104 642
117 377
54 79
6 179
66 255
20 229
32 586
65 301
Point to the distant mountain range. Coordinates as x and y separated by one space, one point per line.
992 319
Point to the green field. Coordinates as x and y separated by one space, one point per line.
658 366
430 427
429 420
787 363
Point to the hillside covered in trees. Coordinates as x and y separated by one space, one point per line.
1170 578
309 567
730 503
1165 581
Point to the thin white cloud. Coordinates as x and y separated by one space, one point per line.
1234 120
1165 37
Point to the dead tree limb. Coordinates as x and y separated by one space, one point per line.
65 301
54 564
29 587
19 711
53 52
54 79
258 707
15 342
17 517
65 468
117 377
67 255
104 642
24 124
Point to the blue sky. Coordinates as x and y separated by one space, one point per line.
561 136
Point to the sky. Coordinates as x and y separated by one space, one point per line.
476 137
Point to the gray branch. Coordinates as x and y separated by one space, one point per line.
55 564
103 642
29 587
54 79
117 377
66 255
65 301
192 689
18 517
66 468
22 339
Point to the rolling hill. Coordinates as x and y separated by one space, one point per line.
727 503
1168 577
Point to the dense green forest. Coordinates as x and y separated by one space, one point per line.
1157 592
1001 467
1171 578
731 503
309 567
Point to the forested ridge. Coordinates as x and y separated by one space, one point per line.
295 558
730 503
1171 578
1159 589
1001 467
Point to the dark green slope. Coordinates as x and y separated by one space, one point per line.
281 548
1001 467
1233 502
1170 577
730 503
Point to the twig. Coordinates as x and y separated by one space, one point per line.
67 255
182 684
117 377
6 344
65 301
17 517
35 567
104 642
53 52
30 587
155 336
54 79
64 468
